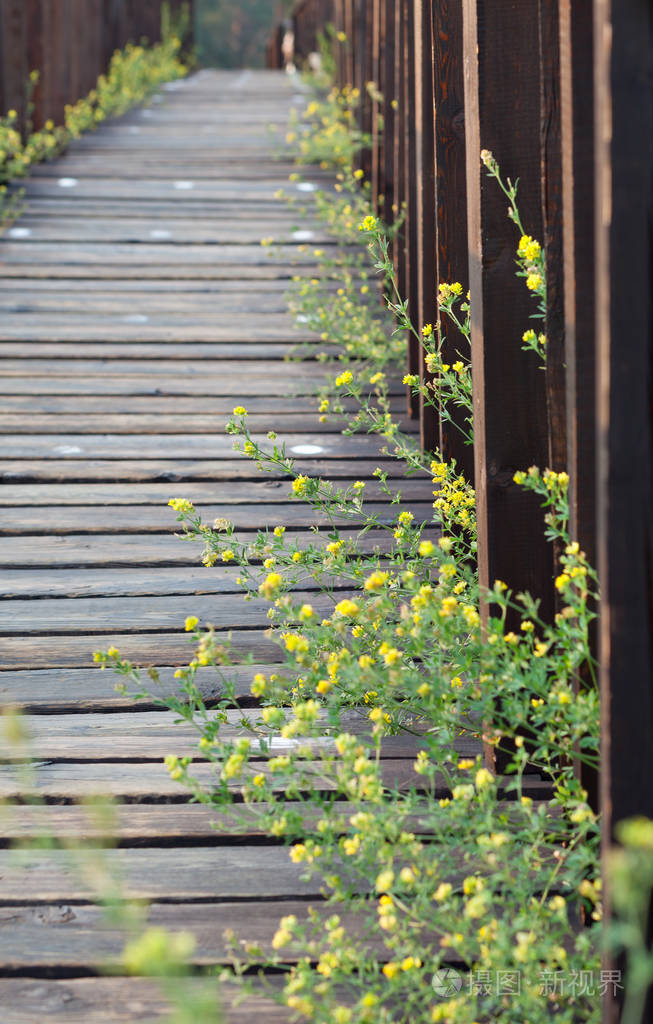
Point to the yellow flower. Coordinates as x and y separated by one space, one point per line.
409 963
384 880
483 778
271 585
347 608
426 548
299 484
191 623
240 410
181 505
442 892
259 685
376 580
391 970
368 224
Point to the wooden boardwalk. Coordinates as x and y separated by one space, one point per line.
138 308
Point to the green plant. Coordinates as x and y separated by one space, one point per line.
459 867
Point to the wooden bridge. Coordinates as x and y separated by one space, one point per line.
138 307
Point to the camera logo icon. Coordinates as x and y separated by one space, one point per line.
446 982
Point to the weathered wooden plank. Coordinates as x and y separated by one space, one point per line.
118 1001
142 649
212 446
48 582
273 369
53 292
160 519
176 471
112 550
78 689
219 232
76 938
141 423
132 382
171 345
171 271
194 873
63 782
233 493
142 824
150 736
138 614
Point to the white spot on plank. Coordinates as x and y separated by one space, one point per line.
301 319
133 129
278 743
242 80
160 233
306 449
303 236
67 449
146 113
135 318
67 182
19 232
183 186
306 186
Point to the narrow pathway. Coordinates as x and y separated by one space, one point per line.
138 308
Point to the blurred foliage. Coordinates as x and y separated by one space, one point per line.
234 33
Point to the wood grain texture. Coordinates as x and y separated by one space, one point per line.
118 1001
502 103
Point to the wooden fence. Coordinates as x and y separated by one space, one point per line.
561 92
70 43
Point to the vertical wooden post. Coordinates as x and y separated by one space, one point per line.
349 45
77 53
58 63
412 227
502 96
13 62
425 200
399 141
34 19
389 111
577 144
451 192
624 331
551 166
375 156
